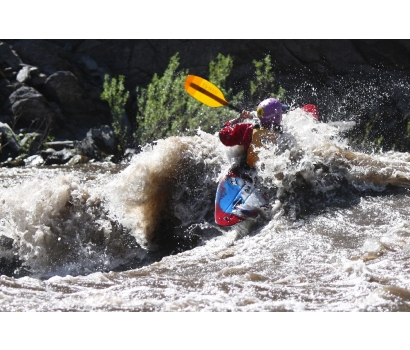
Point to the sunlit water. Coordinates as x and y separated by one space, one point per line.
141 237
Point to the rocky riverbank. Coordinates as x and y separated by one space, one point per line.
38 106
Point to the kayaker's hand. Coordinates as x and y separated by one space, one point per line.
245 114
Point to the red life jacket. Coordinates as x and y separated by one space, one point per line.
238 134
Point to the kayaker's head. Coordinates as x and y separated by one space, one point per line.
270 112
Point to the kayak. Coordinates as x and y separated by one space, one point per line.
238 198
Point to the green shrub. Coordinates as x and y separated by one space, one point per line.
161 104
264 85
115 94
165 109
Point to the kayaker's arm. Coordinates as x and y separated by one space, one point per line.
244 115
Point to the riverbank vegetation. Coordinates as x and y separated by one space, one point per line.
165 109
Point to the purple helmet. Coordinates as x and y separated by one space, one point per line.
270 111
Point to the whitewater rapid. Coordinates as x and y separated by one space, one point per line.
140 236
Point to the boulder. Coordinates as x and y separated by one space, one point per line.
78 159
64 88
30 109
99 143
8 57
34 160
5 89
9 145
59 157
67 91
23 75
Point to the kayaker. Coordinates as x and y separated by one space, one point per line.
242 131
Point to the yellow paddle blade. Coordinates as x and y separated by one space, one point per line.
204 91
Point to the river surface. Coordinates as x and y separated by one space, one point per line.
140 236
